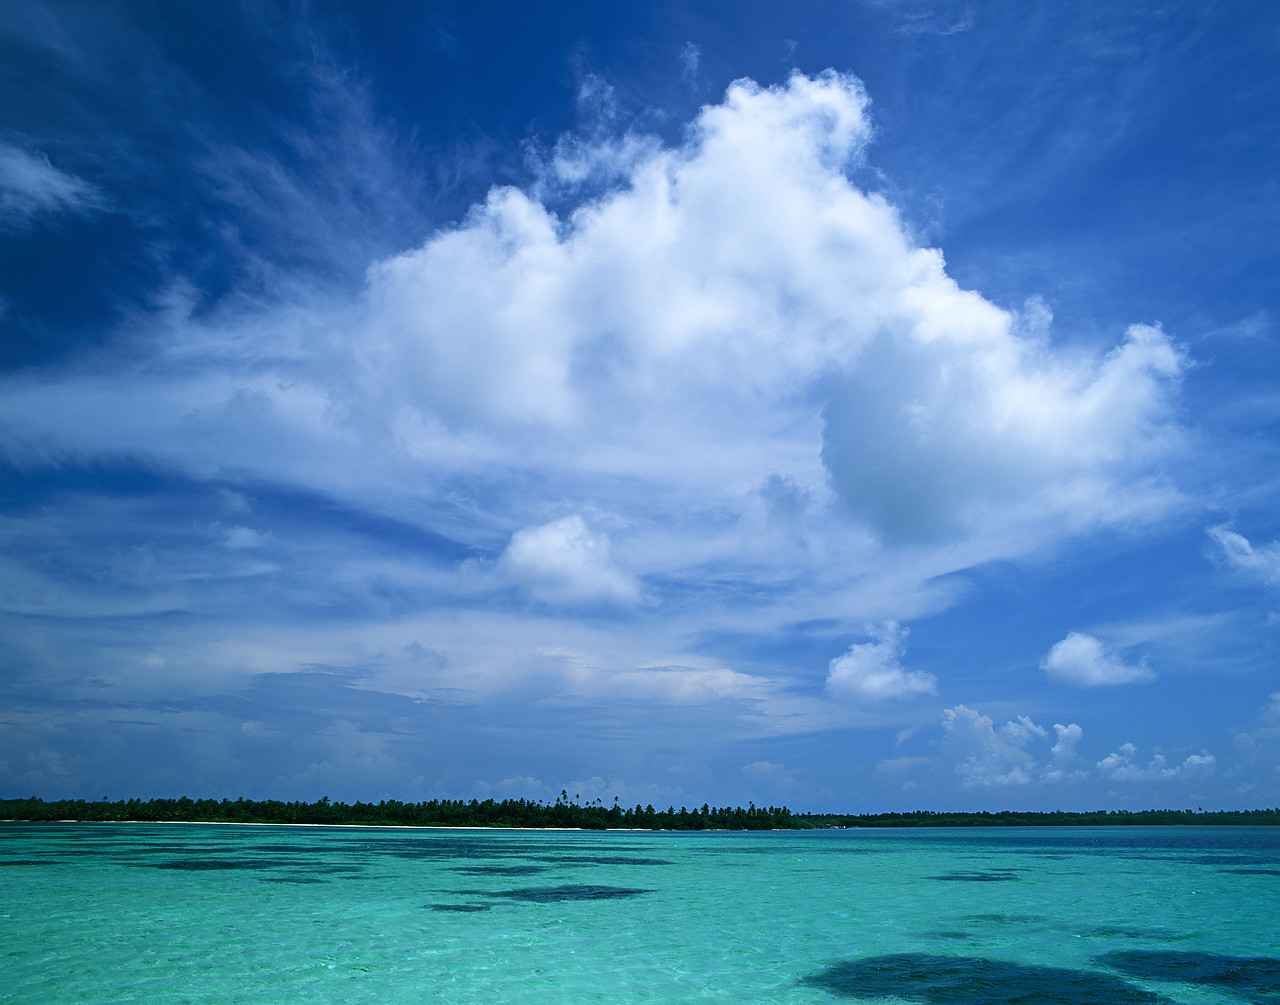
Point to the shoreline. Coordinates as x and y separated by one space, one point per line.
268 823
524 815
642 830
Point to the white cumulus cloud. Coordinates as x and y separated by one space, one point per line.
1121 766
732 284
950 419
1068 737
872 671
724 343
1063 757
565 562
1083 661
726 311
983 755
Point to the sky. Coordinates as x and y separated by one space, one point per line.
857 406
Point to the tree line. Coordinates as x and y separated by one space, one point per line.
566 812
392 812
1052 818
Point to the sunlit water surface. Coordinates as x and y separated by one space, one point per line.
197 913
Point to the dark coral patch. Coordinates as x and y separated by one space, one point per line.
220 864
1000 876
556 894
602 860
498 870
963 980
1005 919
1252 858
461 908
1256 978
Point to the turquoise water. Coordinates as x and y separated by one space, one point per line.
195 913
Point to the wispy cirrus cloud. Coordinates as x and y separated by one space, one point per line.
1260 562
31 186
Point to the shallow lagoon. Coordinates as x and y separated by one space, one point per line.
190 913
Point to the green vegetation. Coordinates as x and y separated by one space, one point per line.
389 812
566 813
1056 818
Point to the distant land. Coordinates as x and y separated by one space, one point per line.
591 816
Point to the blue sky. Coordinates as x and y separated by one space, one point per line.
857 406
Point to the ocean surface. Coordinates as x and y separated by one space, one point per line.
203 913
